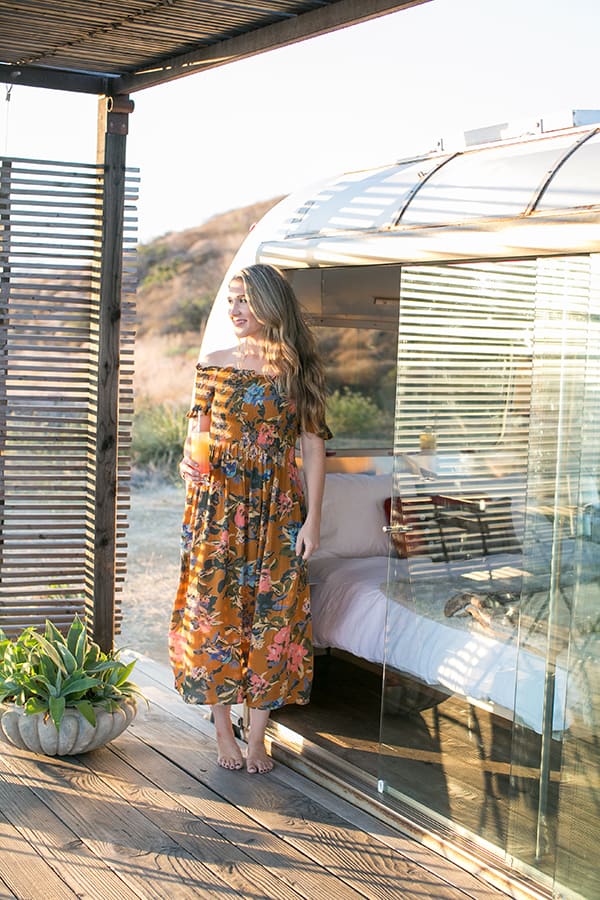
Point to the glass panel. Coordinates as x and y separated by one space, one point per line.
361 200
499 181
460 460
578 832
354 315
554 817
361 371
575 183
497 395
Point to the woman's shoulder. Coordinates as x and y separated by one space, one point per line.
218 358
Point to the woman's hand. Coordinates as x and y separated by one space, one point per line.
191 471
308 540
313 461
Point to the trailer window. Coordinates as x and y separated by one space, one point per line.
361 382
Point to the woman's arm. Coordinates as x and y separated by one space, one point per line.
313 464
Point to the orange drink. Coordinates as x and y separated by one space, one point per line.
427 441
199 449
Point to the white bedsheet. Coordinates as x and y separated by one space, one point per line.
349 613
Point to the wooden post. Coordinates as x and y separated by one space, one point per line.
112 139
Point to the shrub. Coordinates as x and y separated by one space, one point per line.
159 432
161 272
352 414
191 315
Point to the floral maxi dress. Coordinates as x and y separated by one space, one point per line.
241 627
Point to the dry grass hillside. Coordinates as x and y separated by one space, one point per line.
179 274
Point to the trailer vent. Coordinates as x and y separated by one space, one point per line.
556 121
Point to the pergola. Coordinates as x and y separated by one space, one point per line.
112 49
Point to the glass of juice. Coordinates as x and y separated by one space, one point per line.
427 441
199 449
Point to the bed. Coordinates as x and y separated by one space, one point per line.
405 607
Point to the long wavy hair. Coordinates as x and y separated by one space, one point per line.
289 346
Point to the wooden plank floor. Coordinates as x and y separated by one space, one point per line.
153 815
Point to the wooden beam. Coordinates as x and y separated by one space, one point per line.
112 139
270 37
331 17
55 79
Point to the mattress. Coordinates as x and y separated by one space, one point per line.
356 609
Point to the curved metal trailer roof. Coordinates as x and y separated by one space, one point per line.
531 196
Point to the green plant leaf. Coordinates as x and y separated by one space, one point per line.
92 656
35 705
52 634
74 634
4 645
56 706
113 677
37 684
8 689
46 667
80 650
125 673
78 684
68 659
129 690
87 711
51 652
105 665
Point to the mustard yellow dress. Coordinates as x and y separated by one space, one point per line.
241 626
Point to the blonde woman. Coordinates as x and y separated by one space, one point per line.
241 628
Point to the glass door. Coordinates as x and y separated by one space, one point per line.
490 627
555 799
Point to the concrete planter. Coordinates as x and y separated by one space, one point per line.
38 733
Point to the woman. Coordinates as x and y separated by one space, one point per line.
241 628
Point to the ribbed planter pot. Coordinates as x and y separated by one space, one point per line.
38 732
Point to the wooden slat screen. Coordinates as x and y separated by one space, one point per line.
492 359
466 358
50 228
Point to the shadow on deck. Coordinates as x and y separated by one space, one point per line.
153 815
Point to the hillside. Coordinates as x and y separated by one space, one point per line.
179 274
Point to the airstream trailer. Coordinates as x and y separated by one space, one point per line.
456 594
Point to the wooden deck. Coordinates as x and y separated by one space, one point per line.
153 815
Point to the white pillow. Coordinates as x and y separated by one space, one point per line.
353 516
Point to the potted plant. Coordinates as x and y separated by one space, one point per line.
61 694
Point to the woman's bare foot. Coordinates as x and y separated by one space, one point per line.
257 761
229 754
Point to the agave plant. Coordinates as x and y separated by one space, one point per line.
52 672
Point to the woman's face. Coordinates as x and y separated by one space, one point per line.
245 323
